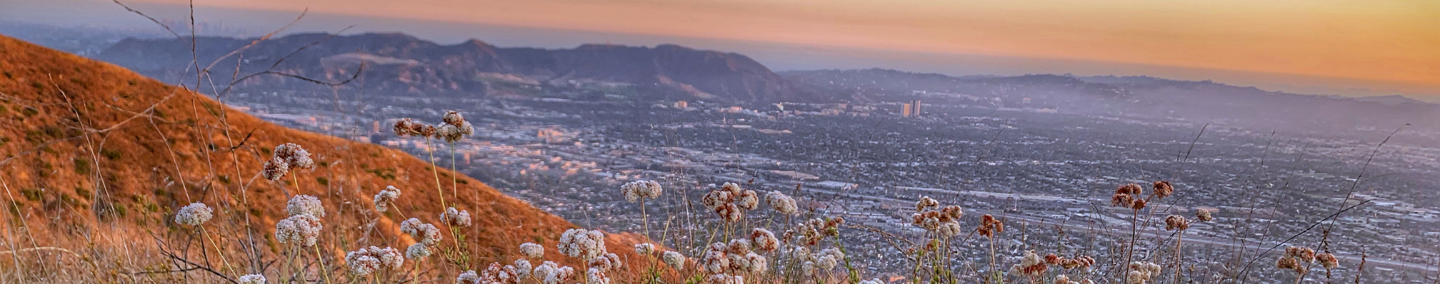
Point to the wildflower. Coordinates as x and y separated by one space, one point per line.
1203 215
808 268
1030 265
674 259
1141 272
426 233
757 263
639 189
453 118
1139 204
581 243
469 277
764 240
1137 277
193 214
1327 260
781 203
1062 279
455 218
729 212
644 249
716 198
252 279
1131 189
989 226
748 199
948 229
925 202
389 257
532 250
832 252
597 276
427 131
522 268
1163 189
827 262
466 129
275 169
952 212
800 253
305 204
361 263
738 246
714 259
302 230
551 273
294 156
406 127
417 251
386 197
872 281
1176 222
606 262
449 133
732 188
724 279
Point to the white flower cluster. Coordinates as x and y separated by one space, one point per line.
302 230
828 258
552 273
305 205
193 215
424 233
582 244
1030 265
945 221
596 276
455 218
674 259
368 260
725 279
386 198
286 157
742 260
781 203
606 262
1062 279
872 281
1141 272
252 279
453 127
729 200
764 240
469 277
532 250
417 251
641 189
522 268
715 259
644 249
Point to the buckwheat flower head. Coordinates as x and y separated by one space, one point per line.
425 233
652 189
632 190
596 276
302 230
714 259
581 243
1163 189
1062 279
764 240
275 169
449 133
453 118
827 262
1327 260
1203 215
757 263
606 262
427 131
305 204
252 279
1137 277
674 259
294 155
1176 222
1031 265
193 214
808 268
738 246
872 281
361 263
466 129
455 218
386 197
833 252
522 268
532 250
716 198
644 249
748 199
390 258
552 273
417 251
948 229
781 203
925 202
469 277
732 188
405 127
724 279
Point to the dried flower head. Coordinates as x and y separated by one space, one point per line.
522 268
453 118
449 133
644 249
764 240
305 204
1327 260
1176 222
732 188
252 279
729 212
1163 189
193 215
714 259
748 199
427 131
925 202
1139 204
989 226
724 279
361 263
469 277
301 230
596 276
406 127
426 233
640 189
673 259
1203 215
455 218
275 169
716 198
872 281
532 250
386 198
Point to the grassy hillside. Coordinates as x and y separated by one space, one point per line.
95 161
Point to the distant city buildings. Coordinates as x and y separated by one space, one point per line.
910 109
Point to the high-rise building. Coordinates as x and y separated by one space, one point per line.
910 109
905 110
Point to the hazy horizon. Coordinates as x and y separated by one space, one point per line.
778 55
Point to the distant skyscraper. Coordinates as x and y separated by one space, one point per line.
910 109
905 110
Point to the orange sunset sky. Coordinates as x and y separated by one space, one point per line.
1385 46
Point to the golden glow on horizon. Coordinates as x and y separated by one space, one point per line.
1396 42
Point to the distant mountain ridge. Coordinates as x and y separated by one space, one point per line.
402 63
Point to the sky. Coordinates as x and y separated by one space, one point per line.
1358 48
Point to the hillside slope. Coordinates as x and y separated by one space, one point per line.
88 165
